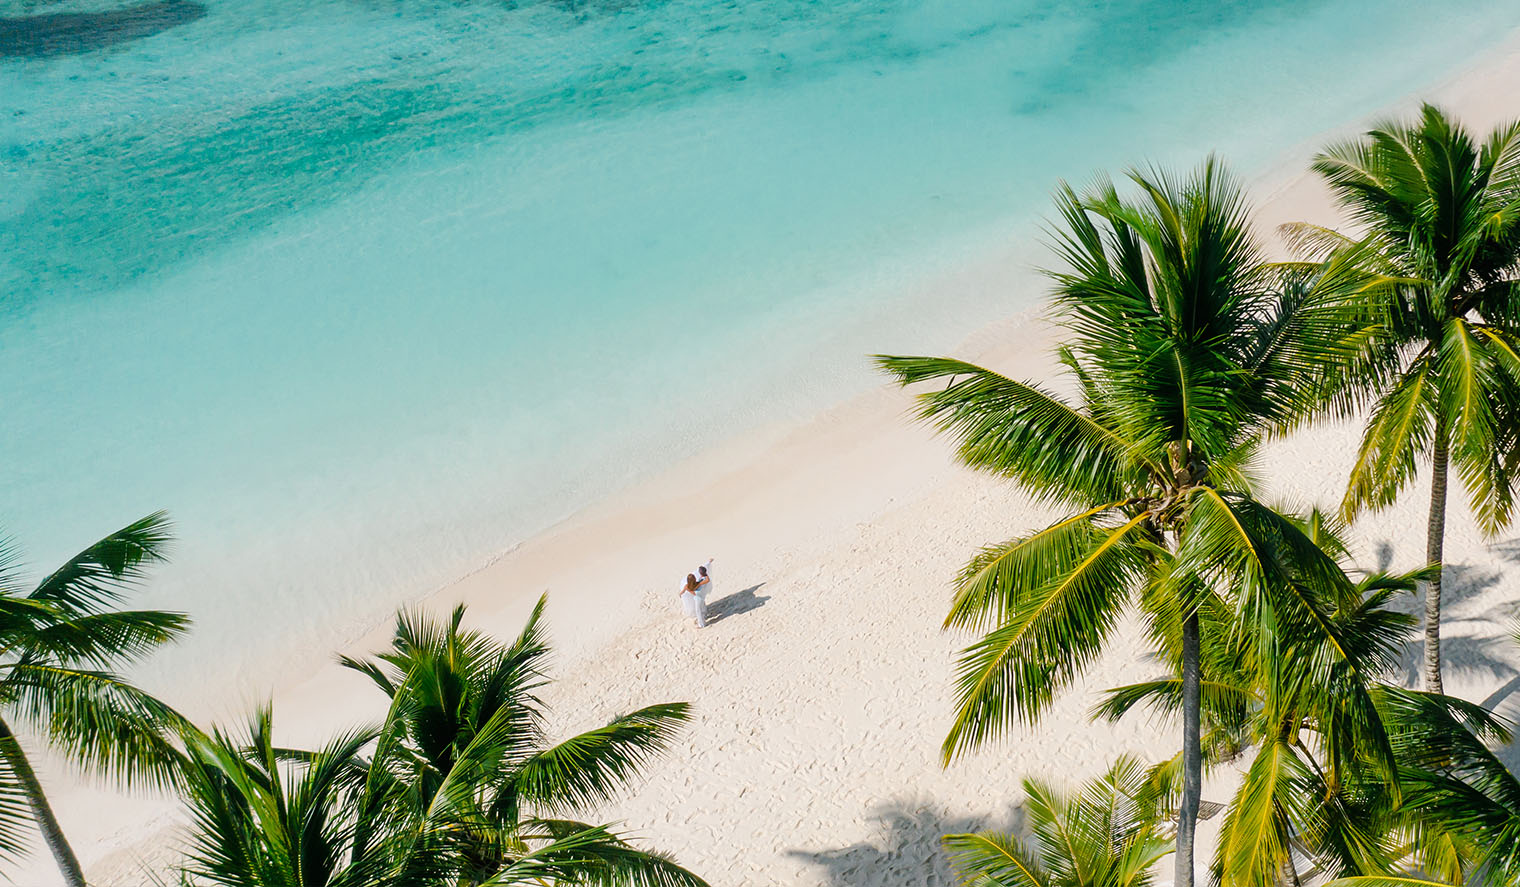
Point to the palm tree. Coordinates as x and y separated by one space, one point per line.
1439 361
262 816
1460 810
1315 723
1105 836
465 737
457 787
60 644
1460 799
1186 346
1415 786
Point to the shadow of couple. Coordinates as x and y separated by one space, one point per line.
735 604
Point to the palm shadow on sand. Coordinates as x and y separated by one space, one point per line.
1469 644
735 604
1469 612
72 33
908 849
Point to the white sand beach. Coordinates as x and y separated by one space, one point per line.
821 687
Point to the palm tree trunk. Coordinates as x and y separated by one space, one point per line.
1192 754
47 823
1435 537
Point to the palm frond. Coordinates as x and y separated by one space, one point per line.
1021 431
593 857
1058 627
590 768
1384 881
994 859
103 639
1401 427
1222 701
993 583
101 721
101 574
1278 790
255 821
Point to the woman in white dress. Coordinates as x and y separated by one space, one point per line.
692 603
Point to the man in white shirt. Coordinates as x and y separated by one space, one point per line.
704 588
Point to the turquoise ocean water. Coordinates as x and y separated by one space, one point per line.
365 291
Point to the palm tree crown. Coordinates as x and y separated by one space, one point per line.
61 643
263 816
465 735
1457 820
1186 347
1322 769
1106 835
1437 356
457 786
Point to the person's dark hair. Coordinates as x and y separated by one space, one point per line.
702 570
691 582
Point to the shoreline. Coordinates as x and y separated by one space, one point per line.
839 532
1284 192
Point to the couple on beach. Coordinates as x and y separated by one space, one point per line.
694 592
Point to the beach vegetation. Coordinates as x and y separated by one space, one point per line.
457 785
1456 819
1332 758
1184 347
1435 364
1107 834
63 643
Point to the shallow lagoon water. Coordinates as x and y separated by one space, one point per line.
365 292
